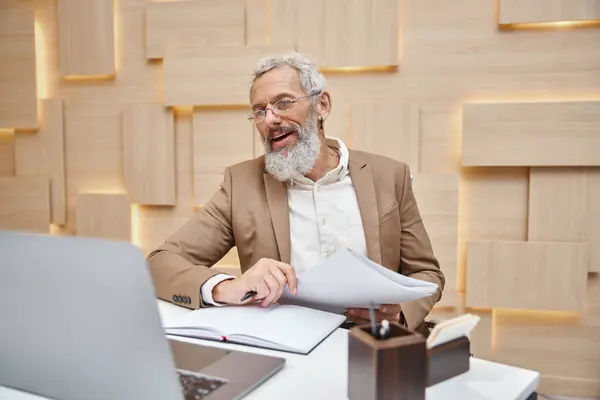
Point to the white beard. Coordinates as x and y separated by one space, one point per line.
289 162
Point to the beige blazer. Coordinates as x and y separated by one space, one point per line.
250 211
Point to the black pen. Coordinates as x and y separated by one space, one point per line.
248 295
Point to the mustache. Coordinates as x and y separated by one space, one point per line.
280 130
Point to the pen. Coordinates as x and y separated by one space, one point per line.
372 318
248 295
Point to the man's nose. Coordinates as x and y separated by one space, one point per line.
271 119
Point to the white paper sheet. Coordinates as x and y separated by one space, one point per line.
347 280
451 329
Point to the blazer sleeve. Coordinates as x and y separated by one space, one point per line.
180 266
417 258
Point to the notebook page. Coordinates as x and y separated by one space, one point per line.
225 320
296 327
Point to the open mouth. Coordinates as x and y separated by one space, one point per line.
280 137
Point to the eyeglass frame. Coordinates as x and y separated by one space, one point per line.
292 102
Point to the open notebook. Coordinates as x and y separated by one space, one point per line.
288 328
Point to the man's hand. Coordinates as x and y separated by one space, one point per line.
391 312
267 278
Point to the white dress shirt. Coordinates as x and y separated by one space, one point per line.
324 218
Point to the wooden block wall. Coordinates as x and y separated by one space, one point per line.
86 38
494 105
532 11
18 82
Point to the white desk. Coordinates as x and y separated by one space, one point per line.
323 374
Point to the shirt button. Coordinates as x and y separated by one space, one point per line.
323 221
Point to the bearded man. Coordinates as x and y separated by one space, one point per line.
307 197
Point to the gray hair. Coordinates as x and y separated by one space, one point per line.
311 80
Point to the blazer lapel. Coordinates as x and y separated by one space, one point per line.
278 207
364 187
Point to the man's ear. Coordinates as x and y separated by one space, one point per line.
324 105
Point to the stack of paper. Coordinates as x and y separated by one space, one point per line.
349 280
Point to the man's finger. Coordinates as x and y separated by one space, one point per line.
280 278
290 275
262 290
273 286
390 308
359 313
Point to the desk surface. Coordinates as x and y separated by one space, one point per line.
323 373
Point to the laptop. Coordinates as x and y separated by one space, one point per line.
80 321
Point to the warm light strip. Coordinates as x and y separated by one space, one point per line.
183 110
551 25
117 32
539 314
359 69
7 132
41 70
104 77
524 97
135 225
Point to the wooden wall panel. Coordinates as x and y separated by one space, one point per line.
25 204
149 154
576 193
221 138
104 215
437 197
439 139
531 134
18 80
43 153
426 137
493 204
527 275
593 233
339 33
93 150
212 75
153 225
538 340
531 11
385 128
361 33
86 37
283 21
7 153
195 23
257 32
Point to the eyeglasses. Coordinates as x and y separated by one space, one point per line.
281 106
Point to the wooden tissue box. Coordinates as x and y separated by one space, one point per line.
448 360
391 368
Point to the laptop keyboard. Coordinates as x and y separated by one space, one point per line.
197 386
